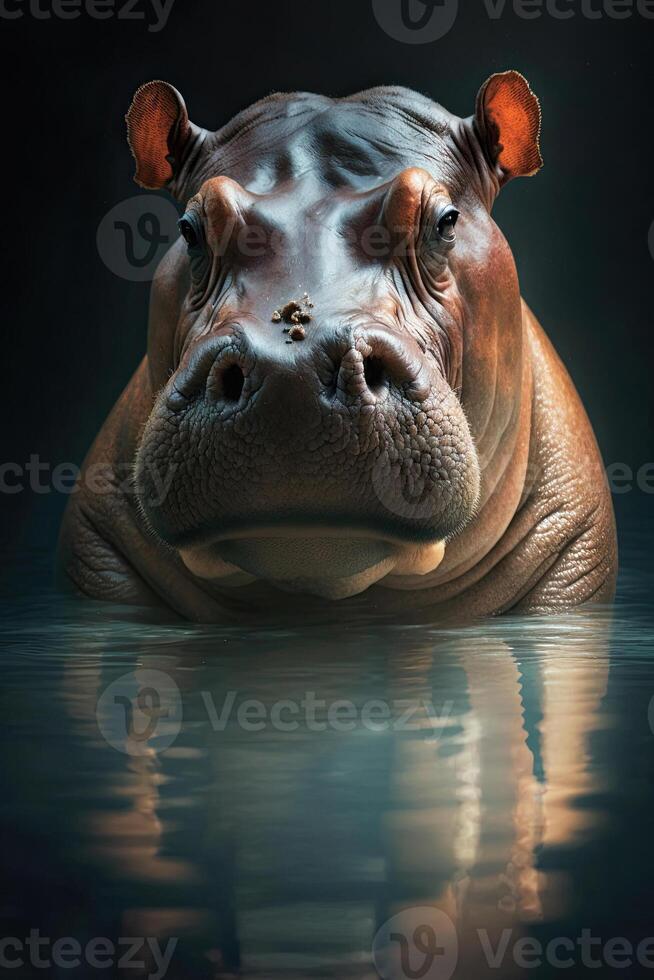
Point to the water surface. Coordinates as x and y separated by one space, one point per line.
276 798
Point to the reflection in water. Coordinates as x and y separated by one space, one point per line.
320 784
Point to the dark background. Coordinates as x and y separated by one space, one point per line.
579 230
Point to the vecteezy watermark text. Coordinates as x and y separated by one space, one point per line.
153 12
40 477
422 941
100 479
66 952
135 234
567 9
142 711
427 21
315 714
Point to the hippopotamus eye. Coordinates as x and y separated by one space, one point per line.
189 230
192 231
446 224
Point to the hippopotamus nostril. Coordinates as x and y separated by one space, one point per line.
387 360
215 369
374 372
366 366
226 382
226 379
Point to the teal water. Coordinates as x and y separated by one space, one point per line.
395 802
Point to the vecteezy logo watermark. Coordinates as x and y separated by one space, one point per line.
416 21
133 237
421 943
140 712
425 21
418 943
153 12
67 953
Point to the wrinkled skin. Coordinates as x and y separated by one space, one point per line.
404 439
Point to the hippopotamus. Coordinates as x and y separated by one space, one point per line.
345 407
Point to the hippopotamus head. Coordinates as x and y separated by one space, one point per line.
335 338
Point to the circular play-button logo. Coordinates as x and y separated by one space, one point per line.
135 235
400 493
140 712
416 21
416 944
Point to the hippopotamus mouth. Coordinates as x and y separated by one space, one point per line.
331 566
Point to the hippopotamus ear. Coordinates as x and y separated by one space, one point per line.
507 117
159 134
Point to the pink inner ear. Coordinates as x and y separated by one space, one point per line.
152 132
513 115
